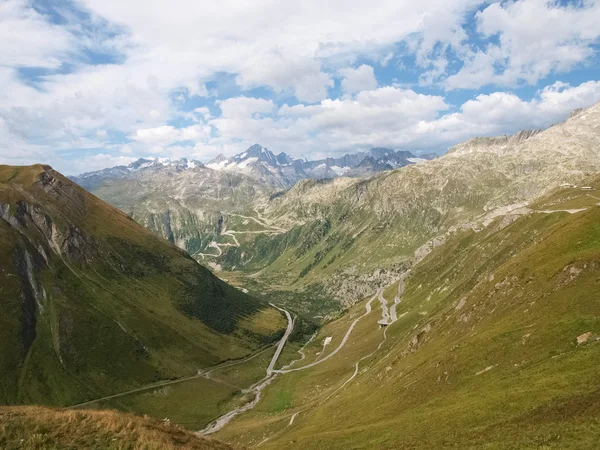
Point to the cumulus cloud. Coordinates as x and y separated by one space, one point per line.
156 62
402 118
357 80
27 39
505 113
535 38
167 134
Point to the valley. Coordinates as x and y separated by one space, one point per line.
368 312
337 240
473 335
267 225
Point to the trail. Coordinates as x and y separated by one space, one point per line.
257 387
352 377
344 340
356 367
262 223
301 351
550 211
201 373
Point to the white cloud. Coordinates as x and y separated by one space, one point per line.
505 113
167 134
302 76
359 79
172 51
402 118
94 162
28 40
535 38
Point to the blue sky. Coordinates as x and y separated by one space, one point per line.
86 84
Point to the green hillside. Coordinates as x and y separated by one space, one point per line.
94 304
496 346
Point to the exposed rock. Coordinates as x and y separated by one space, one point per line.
583 338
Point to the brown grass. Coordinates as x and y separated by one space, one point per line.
39 428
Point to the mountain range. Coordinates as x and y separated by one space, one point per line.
283 171
259 163
340 238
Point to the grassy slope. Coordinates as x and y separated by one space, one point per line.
485 355
29 428
110 309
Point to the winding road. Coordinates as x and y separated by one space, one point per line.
398 297
385 315
231 233
256 388
288 331
344 340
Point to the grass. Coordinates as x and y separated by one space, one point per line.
484 355
191 404
36 428
94 304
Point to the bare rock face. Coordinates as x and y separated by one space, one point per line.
75 244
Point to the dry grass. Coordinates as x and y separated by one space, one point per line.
32 427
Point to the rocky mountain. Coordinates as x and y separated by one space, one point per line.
93 303
281 171
91 180
190 208
259 163
345 237
337 239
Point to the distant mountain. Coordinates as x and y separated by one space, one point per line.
278 171
188 207
282 171
191 204
348 236
93 303
274 171
91 180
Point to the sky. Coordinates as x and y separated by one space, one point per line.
88 84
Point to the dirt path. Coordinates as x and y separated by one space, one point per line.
201 373
357 366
